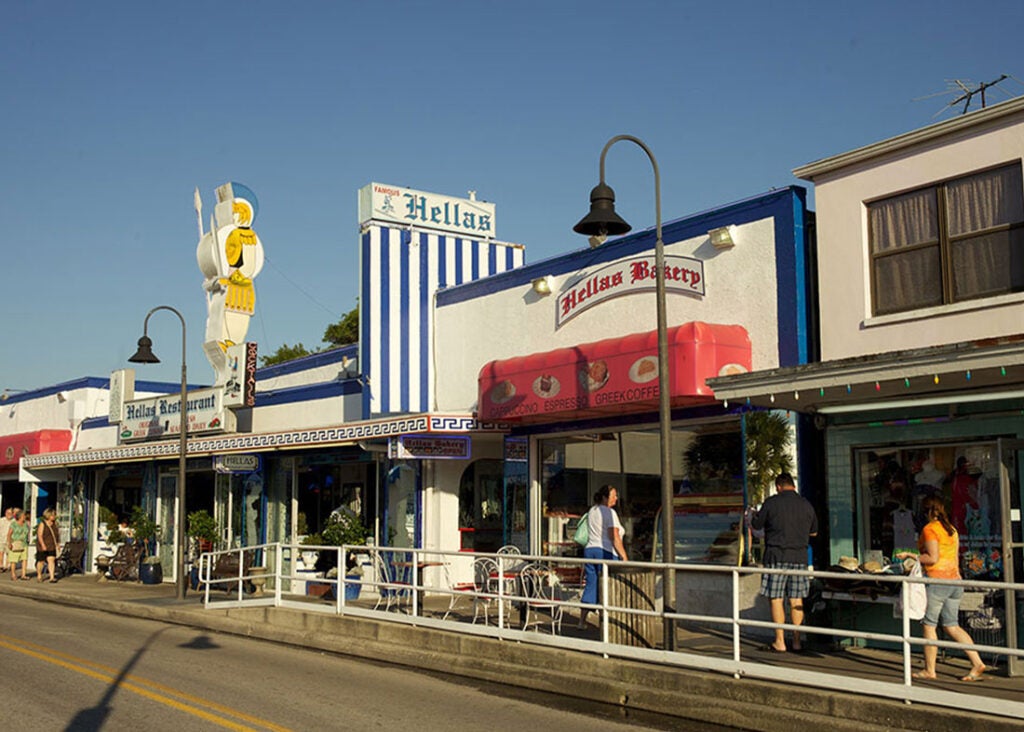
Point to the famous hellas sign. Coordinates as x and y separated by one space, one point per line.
157 417
392 204
683 275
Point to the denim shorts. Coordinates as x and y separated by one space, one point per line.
943 606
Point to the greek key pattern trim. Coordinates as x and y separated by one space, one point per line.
320 436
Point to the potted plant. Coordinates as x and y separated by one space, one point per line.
343 529
147 532
203 534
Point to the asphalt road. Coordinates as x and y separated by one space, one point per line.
81 670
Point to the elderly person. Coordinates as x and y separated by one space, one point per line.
5 525
17 544
47 545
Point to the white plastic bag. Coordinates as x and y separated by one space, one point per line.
917 596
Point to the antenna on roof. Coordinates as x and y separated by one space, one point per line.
966 90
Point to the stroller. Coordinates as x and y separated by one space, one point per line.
71 559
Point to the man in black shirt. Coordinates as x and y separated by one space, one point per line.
789 522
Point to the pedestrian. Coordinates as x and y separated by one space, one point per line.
47 544
939 546
17 544
5 525
604 532
788 521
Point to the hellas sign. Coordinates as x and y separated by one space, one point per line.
684 275
408 207
156 417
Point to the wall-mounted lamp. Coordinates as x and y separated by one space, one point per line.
62 396
542 285
723 237
7 393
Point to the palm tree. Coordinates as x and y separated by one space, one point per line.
769 437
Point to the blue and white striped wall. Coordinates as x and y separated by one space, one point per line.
401 270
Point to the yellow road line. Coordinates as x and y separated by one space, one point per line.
135 684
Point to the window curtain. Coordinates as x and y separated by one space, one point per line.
913 279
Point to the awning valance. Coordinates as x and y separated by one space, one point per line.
613 376
15 447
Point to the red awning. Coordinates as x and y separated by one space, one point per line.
15 447
614 376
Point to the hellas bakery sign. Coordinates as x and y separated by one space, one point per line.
683 275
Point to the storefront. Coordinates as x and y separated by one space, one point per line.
567 357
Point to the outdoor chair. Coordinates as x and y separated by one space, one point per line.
483 569
226 569
392 586
124 567
540 588
71 559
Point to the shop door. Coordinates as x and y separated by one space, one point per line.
240 505
402 511
1011 459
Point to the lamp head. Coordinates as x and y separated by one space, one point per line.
602 219
145 352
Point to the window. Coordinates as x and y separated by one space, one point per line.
955 241
893 481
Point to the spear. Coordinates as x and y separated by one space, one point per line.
199 211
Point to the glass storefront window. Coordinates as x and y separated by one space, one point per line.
893 481
707 460
481 506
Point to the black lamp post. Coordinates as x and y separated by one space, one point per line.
145 355
601 222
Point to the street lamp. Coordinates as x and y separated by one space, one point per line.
145 355
601 222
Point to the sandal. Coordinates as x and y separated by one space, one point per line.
974 675
924 675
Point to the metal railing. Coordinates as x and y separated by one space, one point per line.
425 587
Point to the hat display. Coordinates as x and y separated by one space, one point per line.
849 563
871 566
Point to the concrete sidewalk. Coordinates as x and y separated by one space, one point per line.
744 703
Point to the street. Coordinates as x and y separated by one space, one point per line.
85 670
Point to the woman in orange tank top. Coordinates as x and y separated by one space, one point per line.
939 545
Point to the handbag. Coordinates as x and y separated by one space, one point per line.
17 545
917 596
582 535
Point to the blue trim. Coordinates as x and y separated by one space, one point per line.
424 327
492 259
92 423
384 387
474 261
740 212
404 327
365 310
95 382
305 363
510 257
442 262
307 393
457 243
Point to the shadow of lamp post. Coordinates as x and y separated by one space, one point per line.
601 222
145 355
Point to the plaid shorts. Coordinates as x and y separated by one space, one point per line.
785 585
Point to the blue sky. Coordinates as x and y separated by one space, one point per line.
115 111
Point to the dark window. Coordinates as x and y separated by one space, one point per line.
954 241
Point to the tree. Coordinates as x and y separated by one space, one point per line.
342 333
285 353
345 331
768 439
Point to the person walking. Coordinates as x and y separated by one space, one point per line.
47 544
5 525
788 521
939 546
604 531
17 544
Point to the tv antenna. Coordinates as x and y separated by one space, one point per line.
966 90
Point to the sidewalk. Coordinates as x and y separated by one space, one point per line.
745 703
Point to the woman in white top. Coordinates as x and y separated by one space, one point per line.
605 542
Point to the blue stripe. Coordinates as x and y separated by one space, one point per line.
403 319
510 261
442 262
492 259
365 308
425 299
474 267
384 387
457 243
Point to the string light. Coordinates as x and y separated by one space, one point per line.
1002 371
796 395
725 404
906 383
848 388
772 398
821 391
878 387
936 378
968 374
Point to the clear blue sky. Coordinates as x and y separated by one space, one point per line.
113 112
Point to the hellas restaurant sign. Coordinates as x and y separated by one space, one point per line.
156 417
